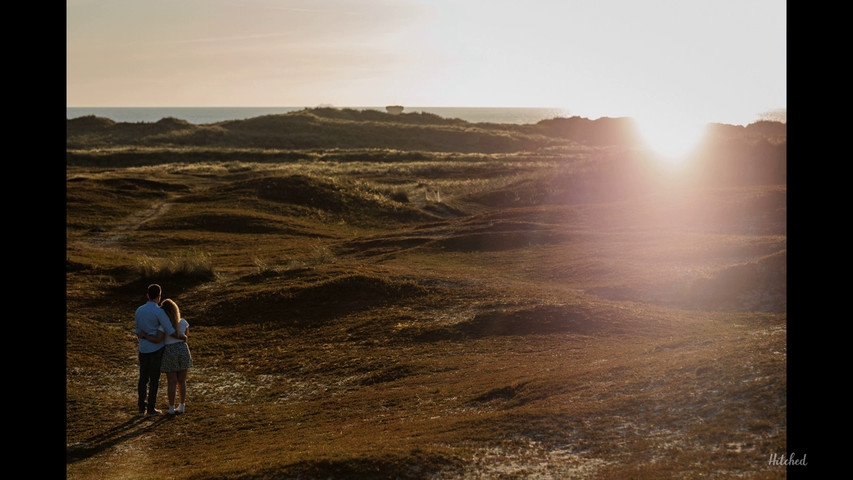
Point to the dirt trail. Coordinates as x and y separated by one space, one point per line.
108 239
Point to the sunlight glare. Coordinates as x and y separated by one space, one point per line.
671 137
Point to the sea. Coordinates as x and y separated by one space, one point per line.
206 115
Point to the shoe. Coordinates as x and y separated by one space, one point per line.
141 412
180 408
154 413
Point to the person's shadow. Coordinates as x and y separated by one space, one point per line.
113 436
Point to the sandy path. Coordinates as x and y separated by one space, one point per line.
108 239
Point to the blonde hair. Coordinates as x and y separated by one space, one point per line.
172 311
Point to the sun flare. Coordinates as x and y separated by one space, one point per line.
671 138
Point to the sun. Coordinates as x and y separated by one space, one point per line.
670 137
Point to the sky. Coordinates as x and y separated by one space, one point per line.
691 60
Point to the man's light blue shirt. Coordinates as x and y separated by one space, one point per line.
148 318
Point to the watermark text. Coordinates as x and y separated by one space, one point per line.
782 460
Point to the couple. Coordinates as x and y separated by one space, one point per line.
162 337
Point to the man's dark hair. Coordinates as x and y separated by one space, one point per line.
154 291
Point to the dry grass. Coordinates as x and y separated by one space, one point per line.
190 265
340 332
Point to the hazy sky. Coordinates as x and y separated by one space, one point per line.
718 60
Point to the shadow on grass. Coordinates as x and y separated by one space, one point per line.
111 437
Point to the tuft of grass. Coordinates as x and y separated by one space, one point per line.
315 256
192 265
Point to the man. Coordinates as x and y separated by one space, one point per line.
149 318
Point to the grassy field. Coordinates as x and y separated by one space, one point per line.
567 310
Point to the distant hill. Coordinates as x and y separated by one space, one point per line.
602 131
755 153
350 128
313 128
764 129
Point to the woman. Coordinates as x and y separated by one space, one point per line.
176 357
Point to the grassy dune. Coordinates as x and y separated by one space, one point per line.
557 305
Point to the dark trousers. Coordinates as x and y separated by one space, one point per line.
149 378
